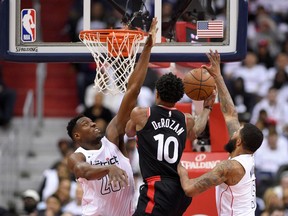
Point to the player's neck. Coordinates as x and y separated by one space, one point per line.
238 152
94 146
165 104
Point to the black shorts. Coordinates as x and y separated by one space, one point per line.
162 197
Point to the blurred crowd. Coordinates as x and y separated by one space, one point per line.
258 86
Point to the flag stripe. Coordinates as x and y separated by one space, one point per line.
210 29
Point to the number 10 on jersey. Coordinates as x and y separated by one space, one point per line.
165 150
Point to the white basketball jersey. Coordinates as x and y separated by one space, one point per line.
239 199
101 198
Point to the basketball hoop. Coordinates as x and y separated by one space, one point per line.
114 52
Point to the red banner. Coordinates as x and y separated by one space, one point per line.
202 161
197 164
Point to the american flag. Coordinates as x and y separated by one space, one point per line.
210 29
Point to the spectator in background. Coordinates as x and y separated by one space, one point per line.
241 98
98 19
10 211
276 109
98 111
30 200
229 70
254 76
270 156
65 189
51 181
263 54
52 207
74 206
279 73
65 147
75 14
271 201
277 211
265 29
111 102
263 122
7 102
282 185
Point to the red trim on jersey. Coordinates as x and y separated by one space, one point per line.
220 203
153 179
232 201
151 192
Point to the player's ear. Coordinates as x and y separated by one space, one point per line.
157 94
238 141
76 136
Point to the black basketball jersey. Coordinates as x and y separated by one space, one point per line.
161 142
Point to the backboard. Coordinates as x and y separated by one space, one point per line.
46 31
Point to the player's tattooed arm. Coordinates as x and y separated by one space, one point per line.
227 106
218 175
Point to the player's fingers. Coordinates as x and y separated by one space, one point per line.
123 181
214 55
117 181
211 51
217 56
205 67
125 178
154 21
112 180
208 55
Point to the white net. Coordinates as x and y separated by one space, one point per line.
114 53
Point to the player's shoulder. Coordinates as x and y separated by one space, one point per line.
140 110
229 166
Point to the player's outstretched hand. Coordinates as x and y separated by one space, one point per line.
214 67
151 40
117 175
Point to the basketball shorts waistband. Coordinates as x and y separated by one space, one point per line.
160 178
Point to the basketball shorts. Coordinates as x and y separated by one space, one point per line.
162 196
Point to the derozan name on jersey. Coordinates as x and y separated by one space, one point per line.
168 123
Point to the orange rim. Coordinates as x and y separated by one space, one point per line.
109 33
114 36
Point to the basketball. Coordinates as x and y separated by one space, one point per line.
198 84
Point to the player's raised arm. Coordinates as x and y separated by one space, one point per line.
201 120
135 82
226 103
196 125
